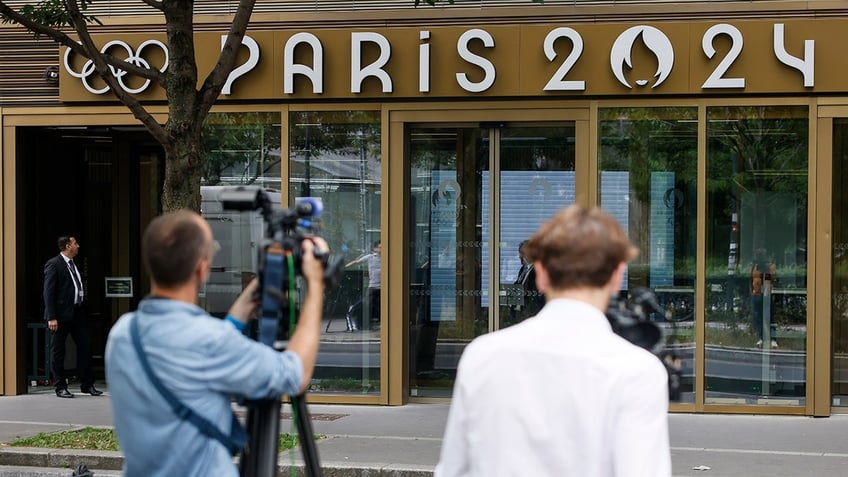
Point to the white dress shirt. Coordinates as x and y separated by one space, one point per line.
557 395
79 294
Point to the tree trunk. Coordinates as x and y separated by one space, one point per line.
182 174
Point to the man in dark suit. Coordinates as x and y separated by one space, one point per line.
65 315
533 299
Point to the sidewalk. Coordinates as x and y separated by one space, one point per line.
404 441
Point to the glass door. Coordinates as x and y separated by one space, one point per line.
647 161
536 178
839 303
756 289
455 171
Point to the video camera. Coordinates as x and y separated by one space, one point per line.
631 319
281 256
278 265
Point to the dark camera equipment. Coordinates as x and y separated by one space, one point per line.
278 265
631 319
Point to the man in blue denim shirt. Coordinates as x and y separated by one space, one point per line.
202 360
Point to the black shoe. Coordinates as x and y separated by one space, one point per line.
64 393
91 390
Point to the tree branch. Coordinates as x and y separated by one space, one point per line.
63 39
81 27
102 68
36 28
214 82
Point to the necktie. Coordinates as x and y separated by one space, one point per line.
521 274
76 281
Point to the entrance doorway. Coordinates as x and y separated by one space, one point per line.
476 192
99 185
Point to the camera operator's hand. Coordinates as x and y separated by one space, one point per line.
244 308
313 269
304 340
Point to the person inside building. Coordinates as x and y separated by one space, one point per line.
532 300
170 350
560 394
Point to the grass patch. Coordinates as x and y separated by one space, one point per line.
91 438
350 385
87 438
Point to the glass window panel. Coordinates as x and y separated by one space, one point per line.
237 148
648 179
839 311
335 156
241 148
448 303
536 180
756 290
450 230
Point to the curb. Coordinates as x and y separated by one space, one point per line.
22 471
69 458
37 462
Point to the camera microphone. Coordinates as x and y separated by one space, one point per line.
309 207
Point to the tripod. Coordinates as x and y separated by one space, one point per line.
263 426
278 265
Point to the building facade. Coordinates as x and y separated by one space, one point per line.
714 131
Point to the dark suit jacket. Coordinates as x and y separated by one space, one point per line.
533 299
58 290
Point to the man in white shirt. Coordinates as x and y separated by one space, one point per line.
560 394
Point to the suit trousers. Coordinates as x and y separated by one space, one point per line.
78 329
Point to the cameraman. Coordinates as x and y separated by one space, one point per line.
201 360
561 394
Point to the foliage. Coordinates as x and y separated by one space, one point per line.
347 385
91 438
87 438
647 143
53 13
188 104
239 145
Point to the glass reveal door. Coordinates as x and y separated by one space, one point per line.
839 303
756 289
647 160
454 172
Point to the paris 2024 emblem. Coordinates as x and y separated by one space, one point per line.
655 41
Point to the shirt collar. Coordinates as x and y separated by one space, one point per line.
158 306
569 312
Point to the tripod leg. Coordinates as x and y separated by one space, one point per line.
263 428
307 437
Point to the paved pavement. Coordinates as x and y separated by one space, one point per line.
404 441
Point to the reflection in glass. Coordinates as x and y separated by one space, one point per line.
448 305
839 311
648 180
336 157
536 180
756 297
450 261
241 148
237 148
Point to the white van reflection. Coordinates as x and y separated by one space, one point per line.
239 234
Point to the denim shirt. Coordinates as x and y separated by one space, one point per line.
204 361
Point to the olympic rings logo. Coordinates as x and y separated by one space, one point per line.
133 57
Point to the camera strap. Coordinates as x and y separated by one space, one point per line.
237 438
